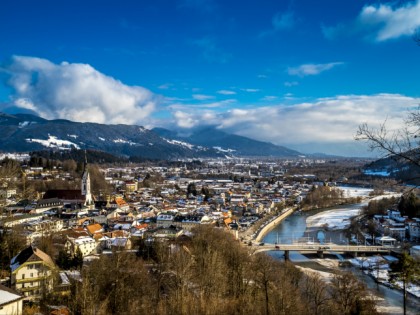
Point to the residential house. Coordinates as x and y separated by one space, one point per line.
32 272
85 244
414 229
10 301
164 220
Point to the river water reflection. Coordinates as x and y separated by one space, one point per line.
294 229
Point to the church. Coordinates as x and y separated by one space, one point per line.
76 198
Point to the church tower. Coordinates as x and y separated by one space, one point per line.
86 184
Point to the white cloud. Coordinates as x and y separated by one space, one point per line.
269 98
312 69
77 92
251 90
226 92
327 123
291 83
202 97
166 86
183 106
281 21
388 21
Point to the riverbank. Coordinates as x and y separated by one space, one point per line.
272 224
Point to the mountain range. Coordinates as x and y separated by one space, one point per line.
26 132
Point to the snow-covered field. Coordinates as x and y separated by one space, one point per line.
337 219
355 191
54 142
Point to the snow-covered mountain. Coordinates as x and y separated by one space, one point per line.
230 143
24 133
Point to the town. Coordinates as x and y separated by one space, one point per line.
49 235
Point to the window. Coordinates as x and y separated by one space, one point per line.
23 276
32 274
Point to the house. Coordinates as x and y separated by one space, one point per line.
7 193
120 243
414 230
32 272
164 220
85 244
47 204
10 301
385 241
94 229
131 186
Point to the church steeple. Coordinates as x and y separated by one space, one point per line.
86 183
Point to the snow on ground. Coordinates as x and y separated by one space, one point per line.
326 276
326 262
15 156
337 219
377 173
180 143
387 195
123 141
24 124
378 268
355 191
53 142
102 139
73 136
220 149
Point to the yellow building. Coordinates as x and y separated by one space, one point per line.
32 272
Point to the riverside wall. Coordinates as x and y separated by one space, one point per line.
272 224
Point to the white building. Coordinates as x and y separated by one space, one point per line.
85 244
10 301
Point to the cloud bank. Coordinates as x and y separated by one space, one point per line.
325 125
77 92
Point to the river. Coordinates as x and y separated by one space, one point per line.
294 228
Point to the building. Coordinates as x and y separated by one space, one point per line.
10 301
414 230
164 220
32 272
86 192
85 244
47 204
74 196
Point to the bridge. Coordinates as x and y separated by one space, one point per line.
320 249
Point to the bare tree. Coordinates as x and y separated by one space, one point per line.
401 145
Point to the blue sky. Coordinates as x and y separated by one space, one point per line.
298 73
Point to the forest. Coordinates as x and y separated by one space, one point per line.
206 273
